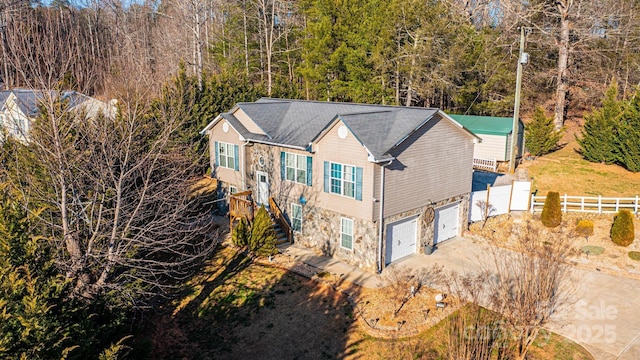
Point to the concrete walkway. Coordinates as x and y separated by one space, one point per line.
332 266
603 315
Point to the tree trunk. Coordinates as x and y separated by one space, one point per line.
198 49
563 61
246 38
412 70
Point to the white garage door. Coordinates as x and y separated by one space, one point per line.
401 239
446 223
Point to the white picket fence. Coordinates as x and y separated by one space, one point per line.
600 205
503 199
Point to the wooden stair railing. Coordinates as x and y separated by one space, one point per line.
280 219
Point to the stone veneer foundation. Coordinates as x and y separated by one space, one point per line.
321 232
321 227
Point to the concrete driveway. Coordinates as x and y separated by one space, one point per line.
604 312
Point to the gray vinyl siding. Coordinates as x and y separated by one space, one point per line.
376 191
433 164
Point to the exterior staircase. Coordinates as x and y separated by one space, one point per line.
242 206
280 223
280 233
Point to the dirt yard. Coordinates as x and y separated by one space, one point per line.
240 307
501 230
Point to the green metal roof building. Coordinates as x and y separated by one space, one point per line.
495 133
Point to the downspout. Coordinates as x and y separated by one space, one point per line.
244 165
380 227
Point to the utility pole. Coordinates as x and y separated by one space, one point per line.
522 59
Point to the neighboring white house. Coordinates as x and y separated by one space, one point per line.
495 133
20 107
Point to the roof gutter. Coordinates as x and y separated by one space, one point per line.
281 145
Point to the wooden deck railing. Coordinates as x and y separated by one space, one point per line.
280 219
240 206
485 164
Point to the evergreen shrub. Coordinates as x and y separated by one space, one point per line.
622 231
551 212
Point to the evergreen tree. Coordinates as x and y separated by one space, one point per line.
38 318
218 94
628 136
541 136
598 141
240 233
262 240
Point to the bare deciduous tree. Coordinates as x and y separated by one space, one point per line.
486 209
276 22
118 191
530 285
520 291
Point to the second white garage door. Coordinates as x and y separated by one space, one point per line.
446 223
401 239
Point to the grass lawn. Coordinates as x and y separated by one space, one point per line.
239 309
565 171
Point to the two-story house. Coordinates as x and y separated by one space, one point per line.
368 184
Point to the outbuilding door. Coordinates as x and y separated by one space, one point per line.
446 223
401 239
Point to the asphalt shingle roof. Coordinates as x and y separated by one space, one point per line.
297 123
28 100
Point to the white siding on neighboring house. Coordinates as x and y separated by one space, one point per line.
491 147
15 123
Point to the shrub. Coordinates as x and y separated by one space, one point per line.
622 232
634 255
541 136
263 238
240 233
584 228
551 212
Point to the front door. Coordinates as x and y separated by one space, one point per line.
262 197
